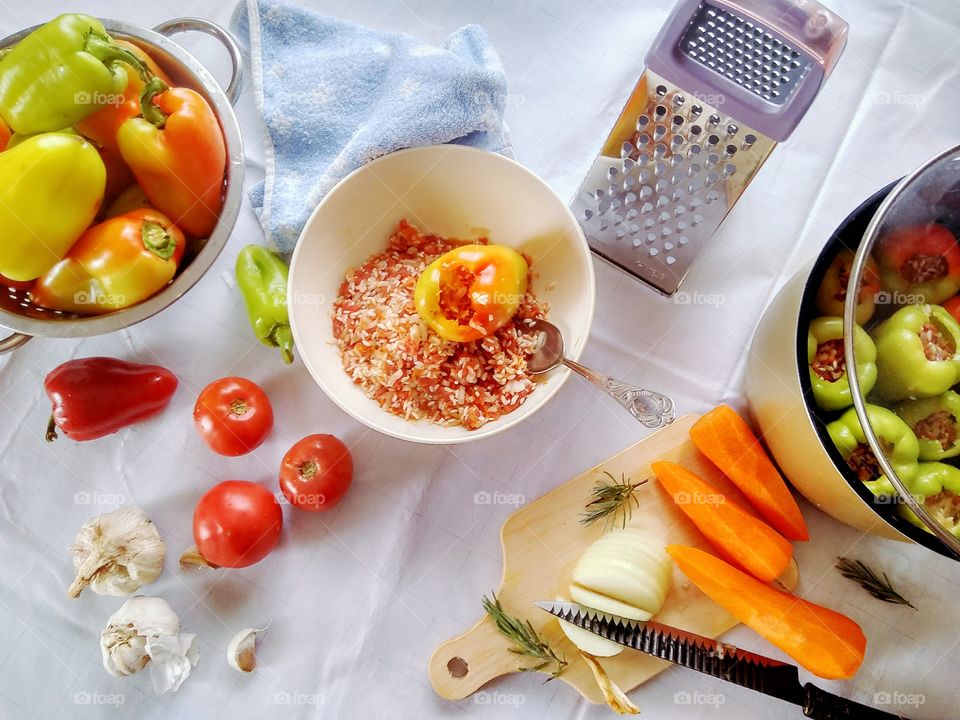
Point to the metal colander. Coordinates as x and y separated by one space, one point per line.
26 319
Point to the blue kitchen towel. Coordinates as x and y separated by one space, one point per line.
335 95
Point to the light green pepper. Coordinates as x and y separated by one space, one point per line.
828 371
935 422
916 353
892 432
937 487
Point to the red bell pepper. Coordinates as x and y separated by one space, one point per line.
97 396
4 135
178 155
922 261
116 264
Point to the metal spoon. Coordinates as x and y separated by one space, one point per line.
652 409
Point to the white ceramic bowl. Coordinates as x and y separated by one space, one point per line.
452 191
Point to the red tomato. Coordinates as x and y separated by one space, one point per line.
316 472
233 415
236 523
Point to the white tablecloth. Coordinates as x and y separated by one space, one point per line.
357 599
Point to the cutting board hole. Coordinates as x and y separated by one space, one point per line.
457 667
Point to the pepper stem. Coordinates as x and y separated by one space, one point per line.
109 53
51 430
157 239
282 337
148 109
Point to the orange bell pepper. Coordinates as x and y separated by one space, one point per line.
102 126
114 265
738 536
823 641
178 155
728 442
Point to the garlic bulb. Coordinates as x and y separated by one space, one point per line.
242 650
145 630
116 553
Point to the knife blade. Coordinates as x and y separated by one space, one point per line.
717 659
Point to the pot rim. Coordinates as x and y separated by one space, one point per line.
190 274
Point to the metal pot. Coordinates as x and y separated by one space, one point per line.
27 320
778 378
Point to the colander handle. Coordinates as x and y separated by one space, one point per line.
194 24
12 342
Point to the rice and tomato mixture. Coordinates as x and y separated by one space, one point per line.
406 367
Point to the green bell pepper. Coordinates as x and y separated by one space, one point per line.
916 353
935 422
937 487
828 366
262 277
62 72
892 432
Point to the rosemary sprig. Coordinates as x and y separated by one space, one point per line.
877 585
526 640
611 500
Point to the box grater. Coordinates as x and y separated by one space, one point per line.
724 82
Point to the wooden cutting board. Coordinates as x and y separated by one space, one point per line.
541 544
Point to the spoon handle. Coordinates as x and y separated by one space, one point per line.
652 409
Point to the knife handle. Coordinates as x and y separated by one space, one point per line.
821 705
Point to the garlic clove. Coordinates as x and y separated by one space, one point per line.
172 656
242 650
192 559
116 553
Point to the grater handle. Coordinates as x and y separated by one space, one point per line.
652 409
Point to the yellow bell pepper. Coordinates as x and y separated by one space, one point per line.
471 291
51 186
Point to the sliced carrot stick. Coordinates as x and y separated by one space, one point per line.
825 642
738 536
727 440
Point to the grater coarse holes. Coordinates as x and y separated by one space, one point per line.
724 82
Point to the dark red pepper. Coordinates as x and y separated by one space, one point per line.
97 396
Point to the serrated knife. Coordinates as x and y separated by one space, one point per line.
717 659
